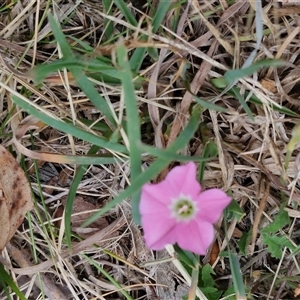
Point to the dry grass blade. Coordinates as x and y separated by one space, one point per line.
195 42
51 290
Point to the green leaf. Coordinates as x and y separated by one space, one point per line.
243 102
206 274
160 14
71 196
234 211
220 83
39 73
203 103
276 243
133 125
108 276
108 24
166 154
186 257
255 100
68 127
211 293
229 294
292 144
236 273
281 219
244 241
82 81
6 280
209 105
237 277
234 75
122 6
156 167
137 59
210 151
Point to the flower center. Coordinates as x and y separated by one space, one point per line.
183 208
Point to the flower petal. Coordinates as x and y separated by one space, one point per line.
151 203
211 204
159 192
183 178
195 236
158 230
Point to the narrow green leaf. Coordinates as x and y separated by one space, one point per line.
5 279
160 14
219 83
69 128
133 124
255 100
137 59
40 72
292 145
243 103
209 105
83 82
153 170
234 75
108 276
189 259
205 104
237 277
122 6
210 151
166 154
108 25
72 194
234 210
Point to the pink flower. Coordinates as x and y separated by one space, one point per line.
177 211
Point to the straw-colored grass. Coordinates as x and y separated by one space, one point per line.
173 59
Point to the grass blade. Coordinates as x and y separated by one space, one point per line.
6 280
68 127
133 122
78 74
153 170
160 14
122 6
72 194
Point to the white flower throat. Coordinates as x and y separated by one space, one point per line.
183 208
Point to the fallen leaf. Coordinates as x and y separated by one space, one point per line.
15 196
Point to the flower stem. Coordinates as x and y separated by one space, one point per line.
194 283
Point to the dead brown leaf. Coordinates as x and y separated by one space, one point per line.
15 196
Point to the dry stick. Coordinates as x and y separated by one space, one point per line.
259 213
45 284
